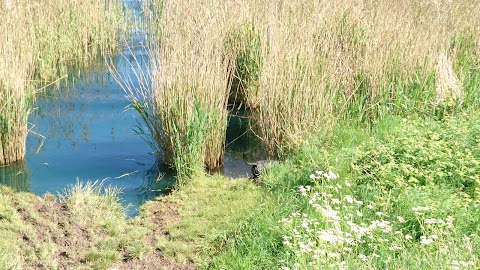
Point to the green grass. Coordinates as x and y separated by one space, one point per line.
397 234
208 208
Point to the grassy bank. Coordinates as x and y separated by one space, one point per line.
87 229
40 43
84 230
404 196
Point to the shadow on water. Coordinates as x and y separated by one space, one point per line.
240 139
16 176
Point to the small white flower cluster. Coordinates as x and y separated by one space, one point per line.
457 265
341 228
326 238
318 175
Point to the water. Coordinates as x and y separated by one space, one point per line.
85 132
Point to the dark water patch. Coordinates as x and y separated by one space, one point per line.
16 176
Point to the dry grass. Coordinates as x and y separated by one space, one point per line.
40 41
15 92
297 63
351 50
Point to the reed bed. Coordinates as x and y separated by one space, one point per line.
301 64
182 99
363 60
292 86
16 60
40 42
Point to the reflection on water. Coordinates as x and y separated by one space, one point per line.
16 176
87 134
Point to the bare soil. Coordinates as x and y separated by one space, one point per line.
158 215
53 224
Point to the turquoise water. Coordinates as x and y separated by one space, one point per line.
84 131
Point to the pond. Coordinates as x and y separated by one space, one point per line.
85 132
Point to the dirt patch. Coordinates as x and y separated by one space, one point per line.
157 215
153 261
56 235
52 224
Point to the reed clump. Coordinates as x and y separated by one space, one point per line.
40 42
191 83
16 59
293 87
183 98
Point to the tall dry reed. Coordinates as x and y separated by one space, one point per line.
360 59
293 95
39 42
182 100
305 61
16 61
191 83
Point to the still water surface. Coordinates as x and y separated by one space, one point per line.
85 132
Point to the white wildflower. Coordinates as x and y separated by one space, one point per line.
334 255
362 257
425 241
349 199
371 205
430 221
286 220
420 210
394 248
332 175
303 190
336 201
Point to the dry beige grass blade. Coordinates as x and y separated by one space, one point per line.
448 87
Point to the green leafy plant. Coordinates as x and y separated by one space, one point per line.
423 153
